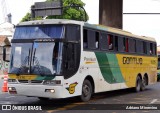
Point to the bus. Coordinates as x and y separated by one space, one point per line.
59 58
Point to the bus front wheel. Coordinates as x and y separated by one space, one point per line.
86 91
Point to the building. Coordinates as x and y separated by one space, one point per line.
7 29
3 65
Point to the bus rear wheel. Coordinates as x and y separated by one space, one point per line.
144 83
86 91
138 84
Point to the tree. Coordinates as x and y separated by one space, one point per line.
27 17
69 11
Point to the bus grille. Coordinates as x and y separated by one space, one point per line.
31 81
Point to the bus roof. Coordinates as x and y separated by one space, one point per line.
50 21
98 27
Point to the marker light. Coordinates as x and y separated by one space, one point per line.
52 82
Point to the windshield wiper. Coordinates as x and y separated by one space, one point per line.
23 65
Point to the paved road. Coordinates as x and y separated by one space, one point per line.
99 101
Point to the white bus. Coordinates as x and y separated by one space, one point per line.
60 58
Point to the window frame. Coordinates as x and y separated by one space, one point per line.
138 49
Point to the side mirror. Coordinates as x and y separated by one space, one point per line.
6 53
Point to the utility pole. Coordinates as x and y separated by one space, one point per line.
111 13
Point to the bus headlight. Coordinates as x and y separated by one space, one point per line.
12 90
51 82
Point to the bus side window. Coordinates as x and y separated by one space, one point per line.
154 49
85 39
120 44
97 40
104 41
91 36
116 43
110 41
132 45
125 44
151 49
144 47
139 46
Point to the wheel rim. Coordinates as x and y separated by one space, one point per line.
86 90
138 85
144 81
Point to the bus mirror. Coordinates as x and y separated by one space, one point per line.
6 53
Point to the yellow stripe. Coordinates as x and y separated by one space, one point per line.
22 77
90 62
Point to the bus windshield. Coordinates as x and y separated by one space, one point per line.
20 55
46 63
34 58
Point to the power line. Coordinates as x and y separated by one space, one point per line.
142 13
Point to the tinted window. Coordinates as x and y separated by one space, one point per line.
90 39
144 47
110 42
85 39
132 45
91 35
104 41
73 32
120 44
116 43
139 46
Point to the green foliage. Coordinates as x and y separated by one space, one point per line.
27 17
73 13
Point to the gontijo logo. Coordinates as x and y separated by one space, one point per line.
132 60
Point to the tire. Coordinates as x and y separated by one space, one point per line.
144 83
43 98
86 91
138 84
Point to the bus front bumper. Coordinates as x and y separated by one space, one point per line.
36 90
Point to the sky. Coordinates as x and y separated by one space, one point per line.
144 25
